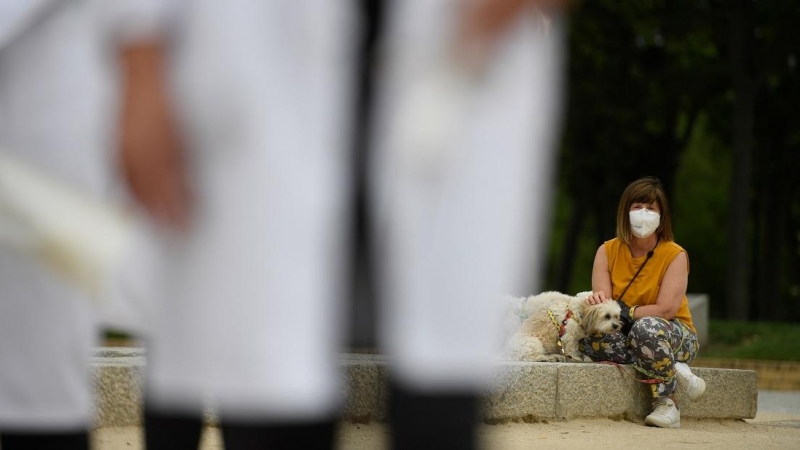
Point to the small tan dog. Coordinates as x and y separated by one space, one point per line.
553 323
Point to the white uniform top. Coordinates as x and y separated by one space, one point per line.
459 229
56 114
52 114
251 315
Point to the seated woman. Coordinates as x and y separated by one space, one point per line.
647 272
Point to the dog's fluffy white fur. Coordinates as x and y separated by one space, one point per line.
536 337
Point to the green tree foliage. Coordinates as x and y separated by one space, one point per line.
653 90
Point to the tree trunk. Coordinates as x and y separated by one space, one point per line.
773 222
790 303
737 281
775 173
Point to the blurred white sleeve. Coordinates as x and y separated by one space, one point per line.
130 21
17 15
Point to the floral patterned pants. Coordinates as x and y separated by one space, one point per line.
652 346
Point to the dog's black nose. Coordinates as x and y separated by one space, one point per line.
615 326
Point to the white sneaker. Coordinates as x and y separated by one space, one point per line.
665 414
693 386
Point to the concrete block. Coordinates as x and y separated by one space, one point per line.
118 381
772 375
522 391
364 383
730 394
698 306
600 390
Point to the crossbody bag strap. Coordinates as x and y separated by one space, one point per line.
649 255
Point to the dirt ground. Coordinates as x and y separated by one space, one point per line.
766 432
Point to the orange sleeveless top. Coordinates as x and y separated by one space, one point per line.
644 290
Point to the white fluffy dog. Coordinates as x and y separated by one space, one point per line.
553 323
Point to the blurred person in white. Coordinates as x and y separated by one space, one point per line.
246 164
468 117
56 98
234 138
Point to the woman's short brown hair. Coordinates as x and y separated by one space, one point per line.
644 190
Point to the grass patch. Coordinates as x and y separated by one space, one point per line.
752 340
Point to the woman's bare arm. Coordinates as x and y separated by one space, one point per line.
601 278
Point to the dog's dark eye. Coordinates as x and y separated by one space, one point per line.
608 316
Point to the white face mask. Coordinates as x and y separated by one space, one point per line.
644 222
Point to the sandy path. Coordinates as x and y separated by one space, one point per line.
767 431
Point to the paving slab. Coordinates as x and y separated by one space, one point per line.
522 391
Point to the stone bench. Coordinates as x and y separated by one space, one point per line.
699 307
521 391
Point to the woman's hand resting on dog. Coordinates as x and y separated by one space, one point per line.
595 298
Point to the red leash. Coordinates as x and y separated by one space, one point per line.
619 367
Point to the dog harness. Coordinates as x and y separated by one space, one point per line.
561 328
